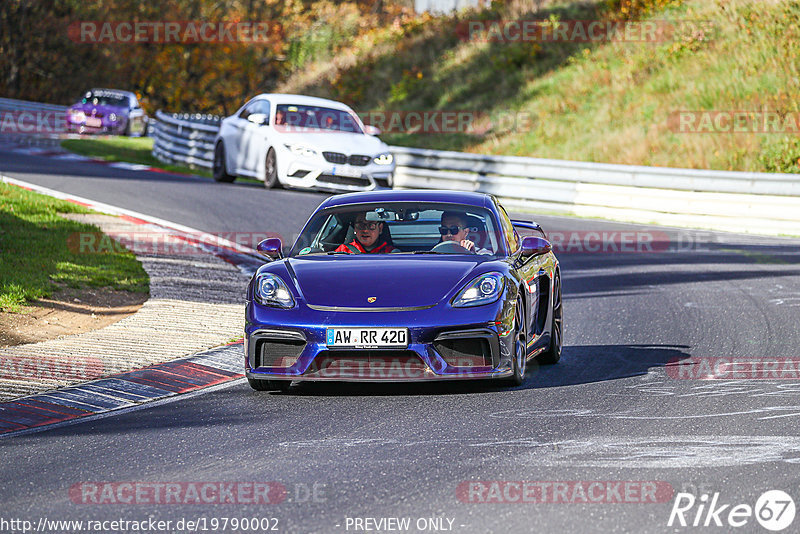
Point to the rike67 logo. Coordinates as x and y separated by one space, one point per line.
774 510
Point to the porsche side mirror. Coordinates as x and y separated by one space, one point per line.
534 246
257 118
372 130
271 248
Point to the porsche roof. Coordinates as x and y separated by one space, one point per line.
410 195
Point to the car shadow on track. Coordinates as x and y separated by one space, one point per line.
580 364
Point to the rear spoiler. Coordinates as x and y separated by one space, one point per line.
529 225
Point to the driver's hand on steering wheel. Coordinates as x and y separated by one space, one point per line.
467 244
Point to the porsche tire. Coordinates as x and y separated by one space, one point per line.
269 385
553 352
519 359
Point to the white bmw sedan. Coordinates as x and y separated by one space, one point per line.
303 142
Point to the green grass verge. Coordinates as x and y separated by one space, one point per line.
36 256
126 149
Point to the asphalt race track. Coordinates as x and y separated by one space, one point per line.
612 422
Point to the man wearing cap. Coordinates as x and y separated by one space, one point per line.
367 239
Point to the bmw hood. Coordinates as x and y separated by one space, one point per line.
393 282
344 142
90 109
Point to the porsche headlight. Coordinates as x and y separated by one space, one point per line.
384 159
302 151
270 290
484 289
113 117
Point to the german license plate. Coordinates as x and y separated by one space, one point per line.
345 171
93 122
367 338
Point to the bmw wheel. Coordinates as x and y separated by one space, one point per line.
220 172
553 352
271 170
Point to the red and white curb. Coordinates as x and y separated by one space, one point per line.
132 388
123 391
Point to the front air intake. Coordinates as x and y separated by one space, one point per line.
467 352
278 352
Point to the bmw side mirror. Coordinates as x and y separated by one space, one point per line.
257 118
372 130
534 246
271 248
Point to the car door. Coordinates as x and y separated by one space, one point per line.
235 137
254 137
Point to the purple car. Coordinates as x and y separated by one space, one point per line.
404 286
107 111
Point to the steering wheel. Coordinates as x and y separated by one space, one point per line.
450 247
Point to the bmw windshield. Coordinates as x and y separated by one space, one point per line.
105 98
315 117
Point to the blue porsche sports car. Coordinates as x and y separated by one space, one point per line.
404 286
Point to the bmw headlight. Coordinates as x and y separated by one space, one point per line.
484 289
384 159
302 151
270 290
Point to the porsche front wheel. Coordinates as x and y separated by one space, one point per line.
519 358
269 385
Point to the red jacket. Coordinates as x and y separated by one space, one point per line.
354 247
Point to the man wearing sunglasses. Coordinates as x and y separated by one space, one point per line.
455 227
367 239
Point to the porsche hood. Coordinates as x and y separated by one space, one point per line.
389 282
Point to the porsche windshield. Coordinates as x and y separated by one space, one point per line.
401 228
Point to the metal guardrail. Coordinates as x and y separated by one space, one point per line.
31 122
186 139
761 203
10 104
